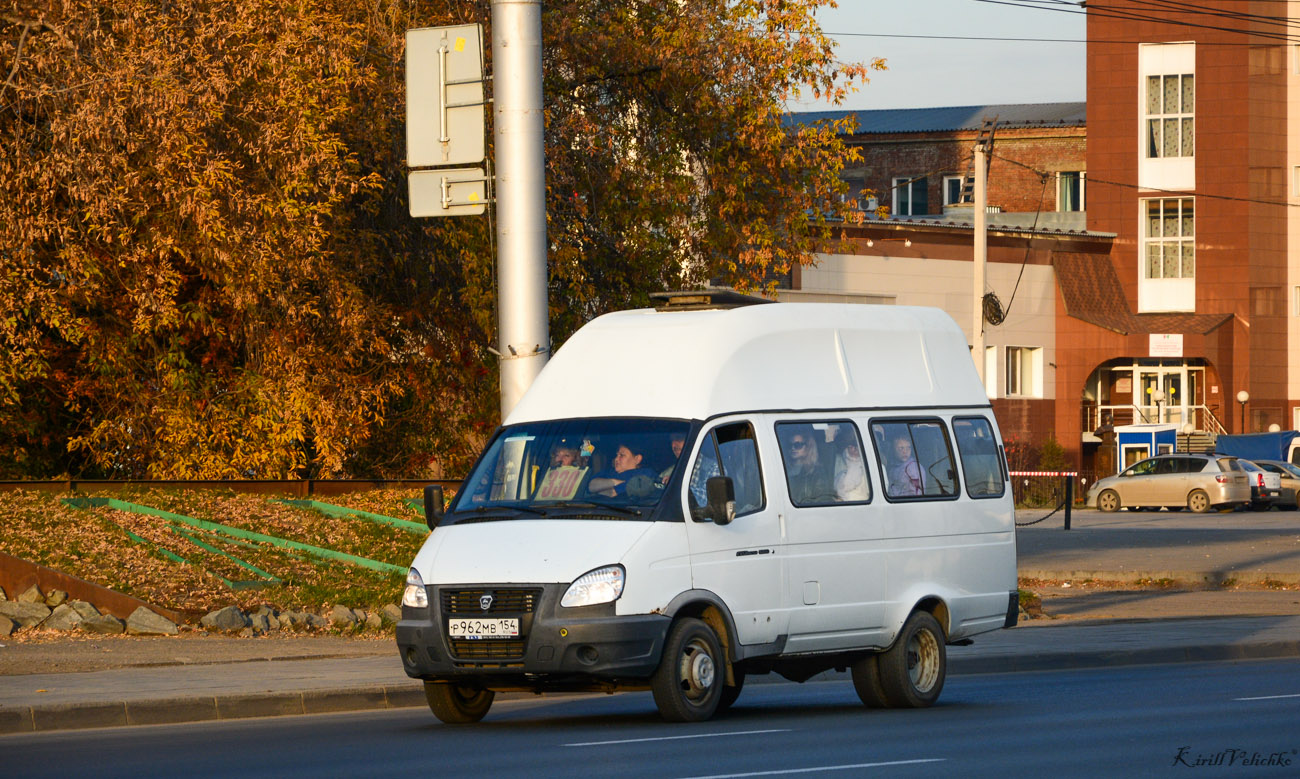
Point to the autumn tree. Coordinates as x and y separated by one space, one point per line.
207 269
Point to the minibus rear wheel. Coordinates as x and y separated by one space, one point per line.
866 680
687 686
913 669
457 704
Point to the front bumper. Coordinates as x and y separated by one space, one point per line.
558 648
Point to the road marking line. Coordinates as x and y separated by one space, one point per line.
1268 697
813 769
676 738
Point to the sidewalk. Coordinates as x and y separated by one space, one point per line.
100 682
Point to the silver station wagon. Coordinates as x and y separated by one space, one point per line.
1201 482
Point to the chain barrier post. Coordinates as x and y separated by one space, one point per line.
1069 498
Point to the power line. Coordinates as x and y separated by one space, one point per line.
999 39
1181 192
1142 11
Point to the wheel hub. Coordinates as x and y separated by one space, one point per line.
702 671
923 661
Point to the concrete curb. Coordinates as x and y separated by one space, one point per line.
30 719
1059 661
1216 578
370 698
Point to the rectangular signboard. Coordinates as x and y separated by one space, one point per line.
444 96
447 192
1165 345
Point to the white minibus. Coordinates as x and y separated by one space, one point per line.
687 498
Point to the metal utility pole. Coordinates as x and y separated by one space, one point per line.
522 320
981 255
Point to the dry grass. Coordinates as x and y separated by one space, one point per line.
93 544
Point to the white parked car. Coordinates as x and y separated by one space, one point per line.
1265 486
1199 482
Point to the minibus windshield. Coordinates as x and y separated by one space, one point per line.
608 467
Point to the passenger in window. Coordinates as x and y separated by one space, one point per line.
905 474
564 455
811 477
678 441
627 469
851 473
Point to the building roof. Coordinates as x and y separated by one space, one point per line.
949 118
1092 293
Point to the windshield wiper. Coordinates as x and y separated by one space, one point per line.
499 512
577 504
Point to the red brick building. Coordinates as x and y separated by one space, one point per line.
1188 143
914 160
1173 292
919 250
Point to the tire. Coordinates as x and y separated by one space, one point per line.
731 692
457 704
866 680
912 671
1108 501
1199 502
687 685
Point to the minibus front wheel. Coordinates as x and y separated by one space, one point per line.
457 704
687 686
913 669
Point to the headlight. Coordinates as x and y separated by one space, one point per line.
415 595
599 586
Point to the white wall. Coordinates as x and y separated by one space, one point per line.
946 284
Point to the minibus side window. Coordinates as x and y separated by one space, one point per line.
916 459
729 450
824 463
979 457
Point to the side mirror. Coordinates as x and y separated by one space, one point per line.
721 492
432 505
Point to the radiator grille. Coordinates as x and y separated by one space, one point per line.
469 602
488 649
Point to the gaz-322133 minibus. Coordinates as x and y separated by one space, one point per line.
687 498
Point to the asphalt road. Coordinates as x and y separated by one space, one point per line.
1122 721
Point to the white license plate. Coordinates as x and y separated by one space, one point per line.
483 628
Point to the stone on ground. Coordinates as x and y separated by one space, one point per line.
342 615
24 614
86 610
63 618
230 619
144 622
104 623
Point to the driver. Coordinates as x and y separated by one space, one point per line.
612 482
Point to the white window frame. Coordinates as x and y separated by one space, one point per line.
1184 213
1024 372
947 189
991 371
1169 120
911 185
1061 179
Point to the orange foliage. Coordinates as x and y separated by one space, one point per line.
207 269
